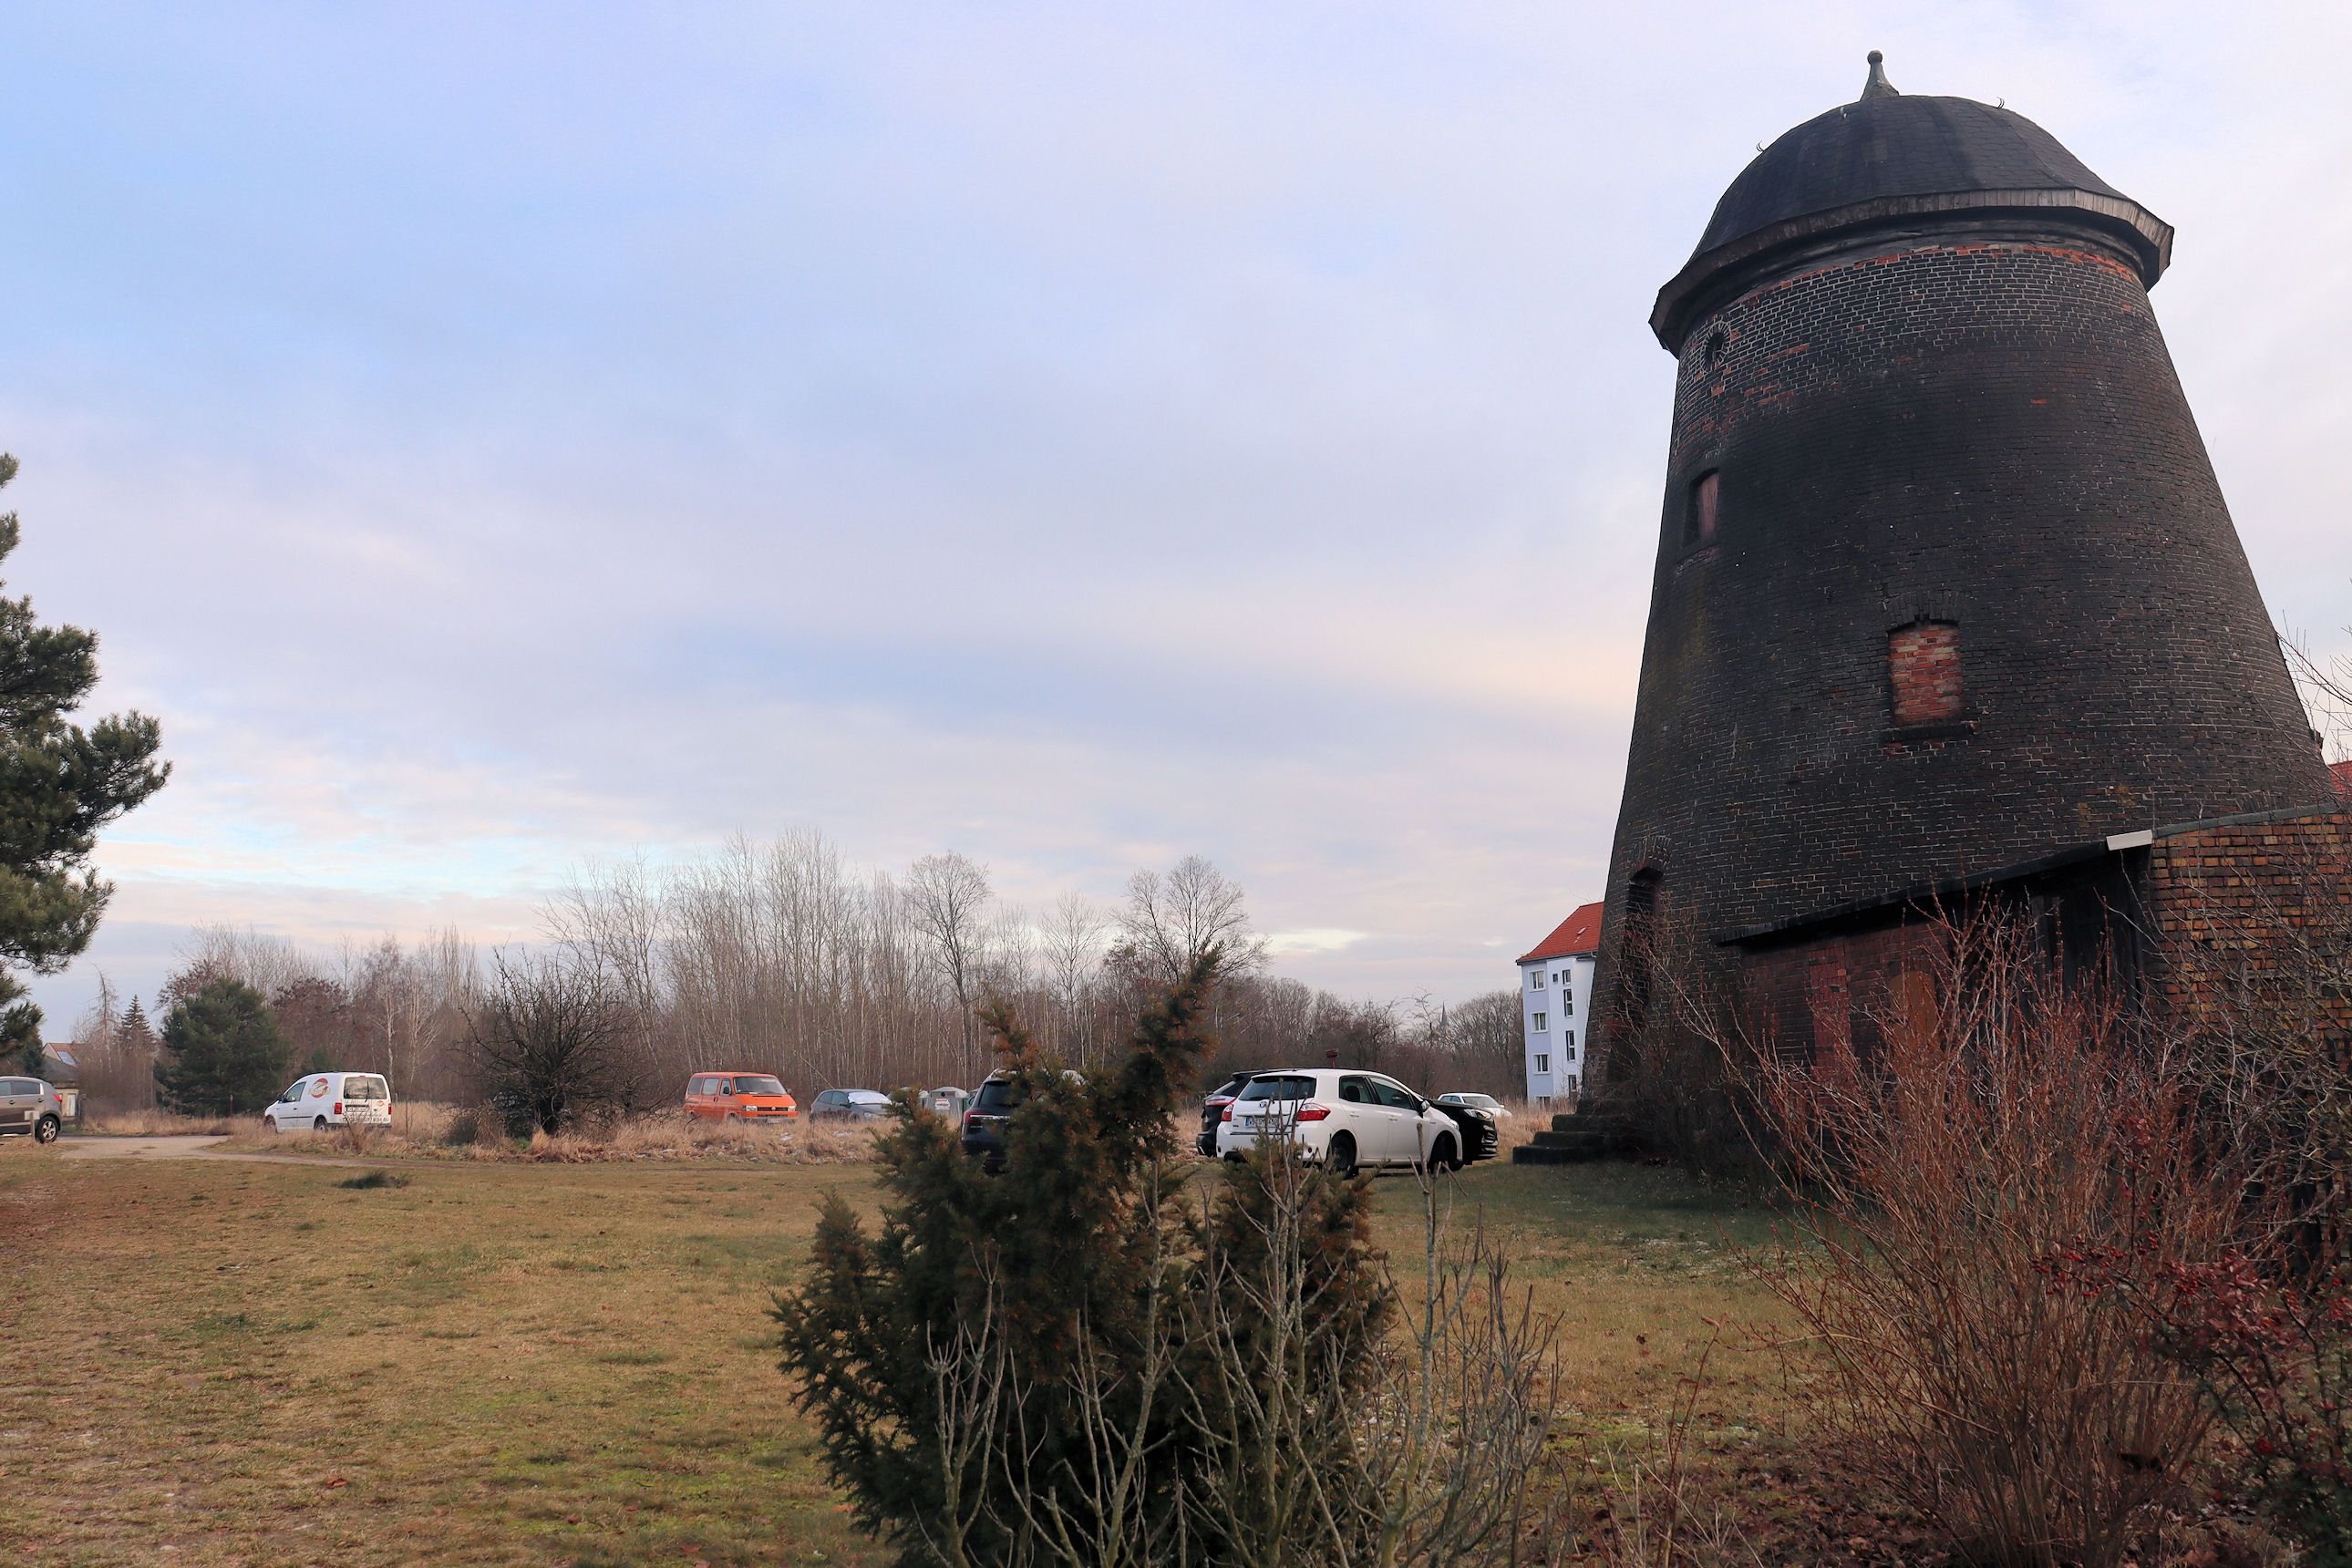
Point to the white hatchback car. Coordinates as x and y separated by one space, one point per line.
1342 1119
327 1099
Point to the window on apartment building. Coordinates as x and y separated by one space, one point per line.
1543 1064
1568 1043
1698 512
1567 1004
1535 980
1540 1023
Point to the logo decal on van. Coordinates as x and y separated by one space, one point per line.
317 1087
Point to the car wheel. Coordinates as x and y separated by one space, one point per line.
1442 1156
319 1124
1341 1160
45 1130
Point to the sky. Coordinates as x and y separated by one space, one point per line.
492 439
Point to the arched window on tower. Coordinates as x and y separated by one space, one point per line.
1698 511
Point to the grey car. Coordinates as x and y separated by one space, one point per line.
849 1105
28 1105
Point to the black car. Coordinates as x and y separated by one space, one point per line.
1212 1109
1482 1137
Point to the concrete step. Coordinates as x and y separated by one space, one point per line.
1597 1120
1597 1142
1542 1155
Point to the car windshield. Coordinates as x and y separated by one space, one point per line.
758 1084
869 1097
1482 1101
1278 1089
998 1094
359 1087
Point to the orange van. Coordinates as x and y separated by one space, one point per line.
738 1096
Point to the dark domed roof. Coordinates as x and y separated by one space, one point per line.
1888 155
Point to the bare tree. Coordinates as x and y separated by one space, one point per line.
2326 684
611 917
117 1051
948 897
1489 1049
268 963
1072 950
550 1042
1168 921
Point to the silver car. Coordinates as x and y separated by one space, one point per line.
29 1105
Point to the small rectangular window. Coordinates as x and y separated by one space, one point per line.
1567 1005
1543 1064
1535 980
1540 1023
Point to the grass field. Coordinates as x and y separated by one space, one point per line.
253 1362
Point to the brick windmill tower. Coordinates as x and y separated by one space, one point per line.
1946 598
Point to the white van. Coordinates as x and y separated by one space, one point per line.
327 1099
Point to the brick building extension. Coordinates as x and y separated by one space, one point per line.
1947 601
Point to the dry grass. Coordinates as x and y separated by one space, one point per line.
424 1132
151 1123
1520 1127
549 1361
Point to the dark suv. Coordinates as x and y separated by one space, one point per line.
993 1105
984 1119
1212 1109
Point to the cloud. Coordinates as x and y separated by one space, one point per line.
490 439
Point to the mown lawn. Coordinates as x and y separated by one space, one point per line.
246 1362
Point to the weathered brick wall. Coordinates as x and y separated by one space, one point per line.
2262 903
1986 435
1837 991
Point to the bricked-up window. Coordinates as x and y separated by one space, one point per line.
1698 514
1923 671
1639 941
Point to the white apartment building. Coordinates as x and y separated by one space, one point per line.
1556 1005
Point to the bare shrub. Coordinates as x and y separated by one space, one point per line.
1412 1443
1987 1206
549 1043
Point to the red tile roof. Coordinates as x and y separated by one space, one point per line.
1580 933
2342 773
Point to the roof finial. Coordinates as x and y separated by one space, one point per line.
1877 85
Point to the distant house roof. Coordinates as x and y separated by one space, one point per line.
2342 773
1578 934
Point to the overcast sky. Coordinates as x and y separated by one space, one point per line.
492 436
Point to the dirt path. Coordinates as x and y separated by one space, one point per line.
189 1147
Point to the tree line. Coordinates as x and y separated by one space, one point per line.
779 955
